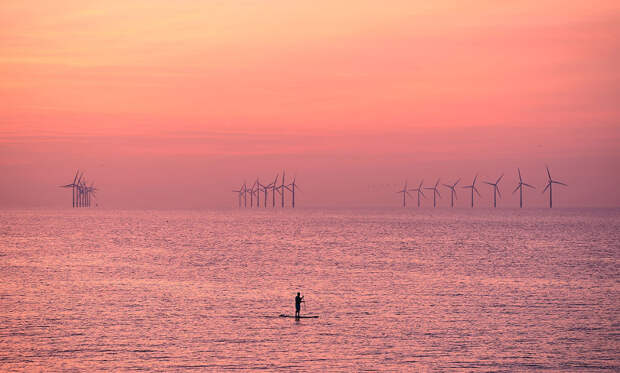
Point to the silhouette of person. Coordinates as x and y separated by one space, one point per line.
298 300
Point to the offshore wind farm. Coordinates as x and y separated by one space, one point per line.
494 185
83 193
257 188
249 196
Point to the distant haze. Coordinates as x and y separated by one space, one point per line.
173 104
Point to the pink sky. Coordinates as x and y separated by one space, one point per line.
174 103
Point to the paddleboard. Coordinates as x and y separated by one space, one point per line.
300 317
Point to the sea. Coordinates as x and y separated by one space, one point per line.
399 290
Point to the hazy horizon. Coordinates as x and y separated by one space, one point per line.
175 104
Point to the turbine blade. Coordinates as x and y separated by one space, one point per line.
519 171
544 190
558 182
528 185
497 182
498 192
477 192
548 173
517 188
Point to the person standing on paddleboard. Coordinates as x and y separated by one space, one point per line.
298 300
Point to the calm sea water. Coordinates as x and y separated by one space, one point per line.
396 290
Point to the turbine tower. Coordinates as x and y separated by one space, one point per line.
404 192
473 188
435 193
291 187
452 191
549 186
419 190
520 188
495 190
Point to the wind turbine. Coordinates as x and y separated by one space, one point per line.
87 194
239 194
281 187
83 193
245 195
520 188
495 190
79 190
91 190
265 188
435 192
94 192
473 188
404 192
273 190
258 185
252 195
419 190
550 183
292 190
452 191
73 185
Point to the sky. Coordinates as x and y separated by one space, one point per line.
173 104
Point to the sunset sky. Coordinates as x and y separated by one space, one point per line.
172 104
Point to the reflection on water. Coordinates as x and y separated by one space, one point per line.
395 290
